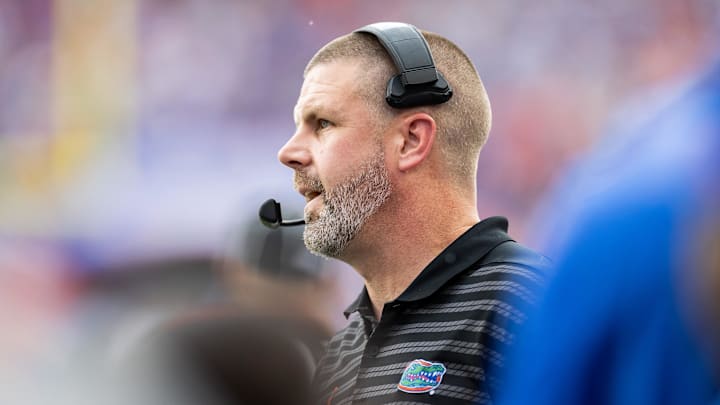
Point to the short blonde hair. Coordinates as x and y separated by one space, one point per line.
463 122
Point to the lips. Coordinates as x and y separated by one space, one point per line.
310 195
312 204
308 186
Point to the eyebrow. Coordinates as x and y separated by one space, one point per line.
313 110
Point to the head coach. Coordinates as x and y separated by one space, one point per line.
389 125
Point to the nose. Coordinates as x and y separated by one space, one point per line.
295 154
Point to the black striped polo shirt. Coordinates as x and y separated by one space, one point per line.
443 339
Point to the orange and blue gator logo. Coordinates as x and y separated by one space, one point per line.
421 376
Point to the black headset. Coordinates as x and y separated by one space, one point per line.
418 83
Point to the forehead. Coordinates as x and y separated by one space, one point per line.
330 86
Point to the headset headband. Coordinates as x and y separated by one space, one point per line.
419 82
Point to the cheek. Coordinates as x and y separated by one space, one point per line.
336 163
332 174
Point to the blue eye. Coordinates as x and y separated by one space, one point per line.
323 124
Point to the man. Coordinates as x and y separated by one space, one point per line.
391 191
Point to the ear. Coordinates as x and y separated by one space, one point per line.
418 136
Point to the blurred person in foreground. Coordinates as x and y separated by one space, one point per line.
632 314
392 192
254 337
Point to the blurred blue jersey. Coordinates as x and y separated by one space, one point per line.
614 325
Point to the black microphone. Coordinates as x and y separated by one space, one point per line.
271 216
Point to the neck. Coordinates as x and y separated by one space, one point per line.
398 242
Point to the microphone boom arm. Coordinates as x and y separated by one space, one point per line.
271 215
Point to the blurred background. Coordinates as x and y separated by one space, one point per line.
139 137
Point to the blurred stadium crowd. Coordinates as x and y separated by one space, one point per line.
138 138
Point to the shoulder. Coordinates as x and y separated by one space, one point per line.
515 254
512 274
514 258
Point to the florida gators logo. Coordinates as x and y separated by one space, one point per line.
421 376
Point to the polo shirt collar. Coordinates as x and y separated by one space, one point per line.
459 256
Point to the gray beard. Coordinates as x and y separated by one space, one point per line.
346 209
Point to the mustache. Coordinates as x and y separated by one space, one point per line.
302 179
